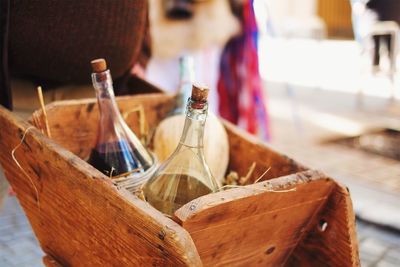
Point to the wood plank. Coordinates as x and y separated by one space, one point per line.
240 226
246 148
337 244
84 219
74 123
49 261
78 216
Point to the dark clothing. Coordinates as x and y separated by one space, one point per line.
53 42
386 9
387 39
5 91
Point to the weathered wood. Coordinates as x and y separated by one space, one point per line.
84 220
245 149
78 216
74 123
257 224
331 240
49 261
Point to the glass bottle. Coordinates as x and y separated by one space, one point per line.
169 131
186 75
185 175
117 151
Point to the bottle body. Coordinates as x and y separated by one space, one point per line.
117 151
185 175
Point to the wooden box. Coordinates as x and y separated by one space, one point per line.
295 217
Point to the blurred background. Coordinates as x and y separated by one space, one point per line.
316 79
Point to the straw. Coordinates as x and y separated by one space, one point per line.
22 169
41 100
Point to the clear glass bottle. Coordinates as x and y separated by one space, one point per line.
185 175
169 131
117 151
186 73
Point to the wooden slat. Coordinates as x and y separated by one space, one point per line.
84 220
337 245
78 216
253 225
245 149
74 123
49 261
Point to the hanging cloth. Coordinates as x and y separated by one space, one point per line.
241 96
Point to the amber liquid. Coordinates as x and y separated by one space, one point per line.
172 191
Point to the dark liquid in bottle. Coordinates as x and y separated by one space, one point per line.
172 191
117 157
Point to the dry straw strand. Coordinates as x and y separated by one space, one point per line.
251 170
249 173
37 122
262 175
41 100
22 169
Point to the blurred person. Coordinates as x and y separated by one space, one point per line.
199 28
362 20
388 11
240 87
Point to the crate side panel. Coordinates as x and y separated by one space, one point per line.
74 123
332 238
246 149
79 217
259 224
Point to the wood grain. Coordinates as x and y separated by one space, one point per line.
257 224
74 123
246 148
80 217
338 239
49 261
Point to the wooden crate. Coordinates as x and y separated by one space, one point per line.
296 217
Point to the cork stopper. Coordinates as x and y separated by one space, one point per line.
99 65
199 93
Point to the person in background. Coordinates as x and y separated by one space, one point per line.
196 28
240 87
387 10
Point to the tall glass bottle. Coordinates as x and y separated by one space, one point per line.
169 131
117 151
186 73
185 175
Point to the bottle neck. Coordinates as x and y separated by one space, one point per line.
193 131
109 112
185 83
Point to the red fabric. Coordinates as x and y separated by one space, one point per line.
240 86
